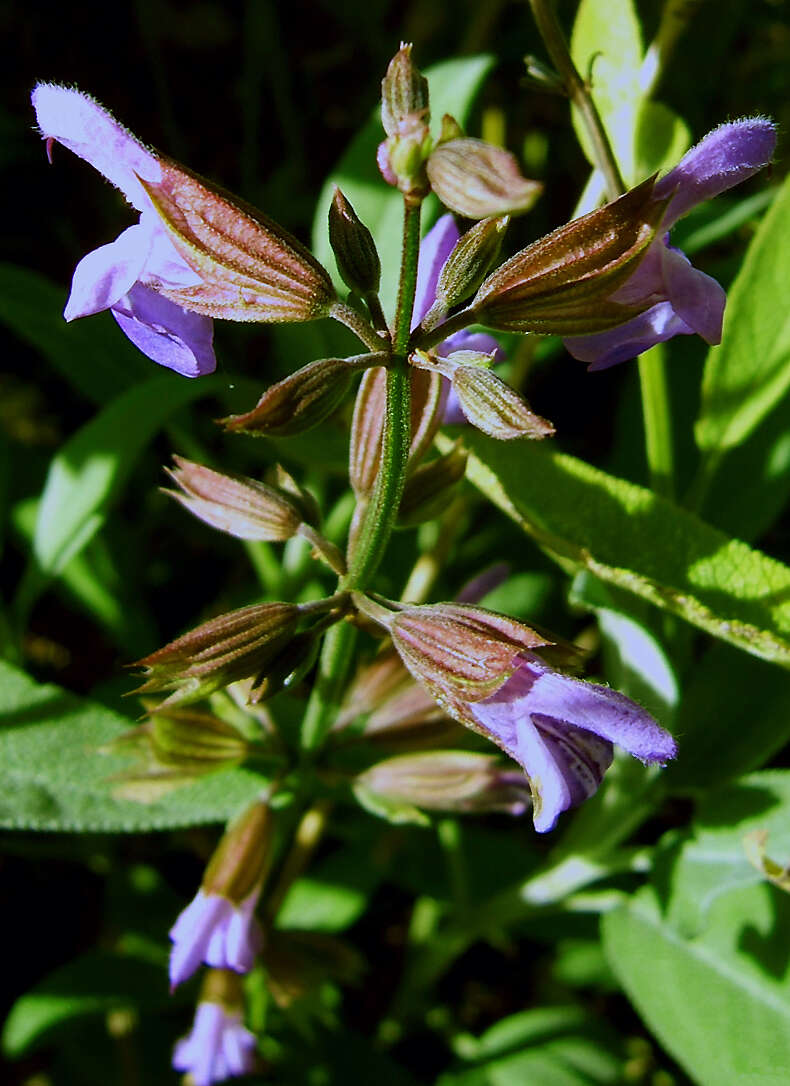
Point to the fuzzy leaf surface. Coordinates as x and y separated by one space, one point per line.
628 536
53 776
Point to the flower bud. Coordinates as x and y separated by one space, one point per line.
476 179
405 116
404 91
466 267
442 780
241 859
430 488
354 248
226 648
486 401
460 647
561 284
251 268
299 402
237 505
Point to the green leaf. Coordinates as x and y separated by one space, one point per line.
93 355
549 1046
606 46
630 537
333 897
95 984
661 140
53 775
749 372
92 466
454 85
713 860
734 715
720 1002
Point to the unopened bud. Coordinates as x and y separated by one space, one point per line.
486 401
405 117
241 860
464 648
354 248
311 512
466 267
226 648
561 284
404 91
476 179
430 488
242 507
251 268
385 693
299 402
442 780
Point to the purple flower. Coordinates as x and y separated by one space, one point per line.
219 1047
435 248
561 731
683 300
214 930
127 275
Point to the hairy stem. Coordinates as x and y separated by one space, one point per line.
359 325
382 508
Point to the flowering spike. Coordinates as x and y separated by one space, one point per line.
476 179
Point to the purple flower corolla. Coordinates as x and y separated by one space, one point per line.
218 1047
683 300
561 731
216 931
435 248
127 275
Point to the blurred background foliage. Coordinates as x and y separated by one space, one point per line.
264 98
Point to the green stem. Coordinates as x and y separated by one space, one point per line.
424 340
382 508
658 421
327 692
576 89
359 325
652 373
